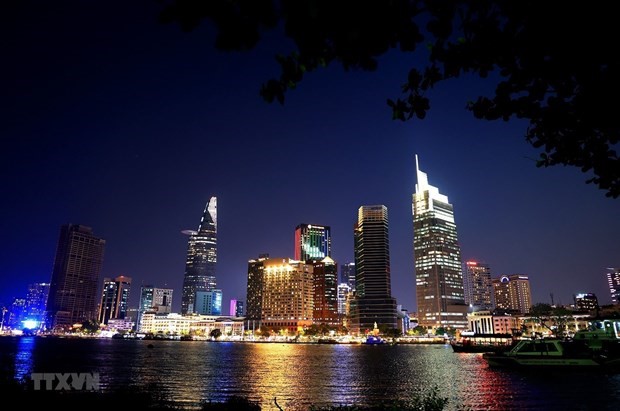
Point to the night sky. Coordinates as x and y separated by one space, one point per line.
115 121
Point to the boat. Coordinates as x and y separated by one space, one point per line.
374 339
327 341
470 342
594 348
552 353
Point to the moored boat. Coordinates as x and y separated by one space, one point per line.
480 343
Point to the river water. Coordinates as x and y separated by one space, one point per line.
300 375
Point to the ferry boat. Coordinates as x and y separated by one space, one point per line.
596 348
470 342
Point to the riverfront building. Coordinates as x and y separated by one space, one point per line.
201 259
373 301
75 277
438 266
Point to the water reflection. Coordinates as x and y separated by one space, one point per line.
24 358
300 375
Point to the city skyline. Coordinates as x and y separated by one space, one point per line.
129 127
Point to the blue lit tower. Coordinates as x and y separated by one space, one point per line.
438 266
201 258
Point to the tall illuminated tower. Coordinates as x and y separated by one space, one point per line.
438 266
201 258
114 298
373 302
478 286
312 242
512 293
75 277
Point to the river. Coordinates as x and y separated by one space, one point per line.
300 375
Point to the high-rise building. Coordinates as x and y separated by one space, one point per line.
236 308
438 266
478 286
512 293
288 294
344 292
325 292
201 258
373 302
17 311
75 277
153 299
256 279
312 242
347 275
586 302
613 282
36 300
208 302
114 298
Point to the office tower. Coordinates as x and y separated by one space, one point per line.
75 277
16 315
478 286
208 302
254 295
239 309
347 275
586 302
236 308
613 282
153 299
36 300
512 293
325 292
373 302
201 258
288 294
114 298
344 293
312 242
438 271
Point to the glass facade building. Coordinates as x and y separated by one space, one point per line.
114 298
373 301
201 259
312 242
325 292
75 277
437 254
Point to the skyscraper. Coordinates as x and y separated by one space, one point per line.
512 293
201 258
114 298
613 282
478 286
75 277
325 274
438 270
154 299
312 242
256 280
36 300
288 294
373 301
347 274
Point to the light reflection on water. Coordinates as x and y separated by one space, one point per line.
302 374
